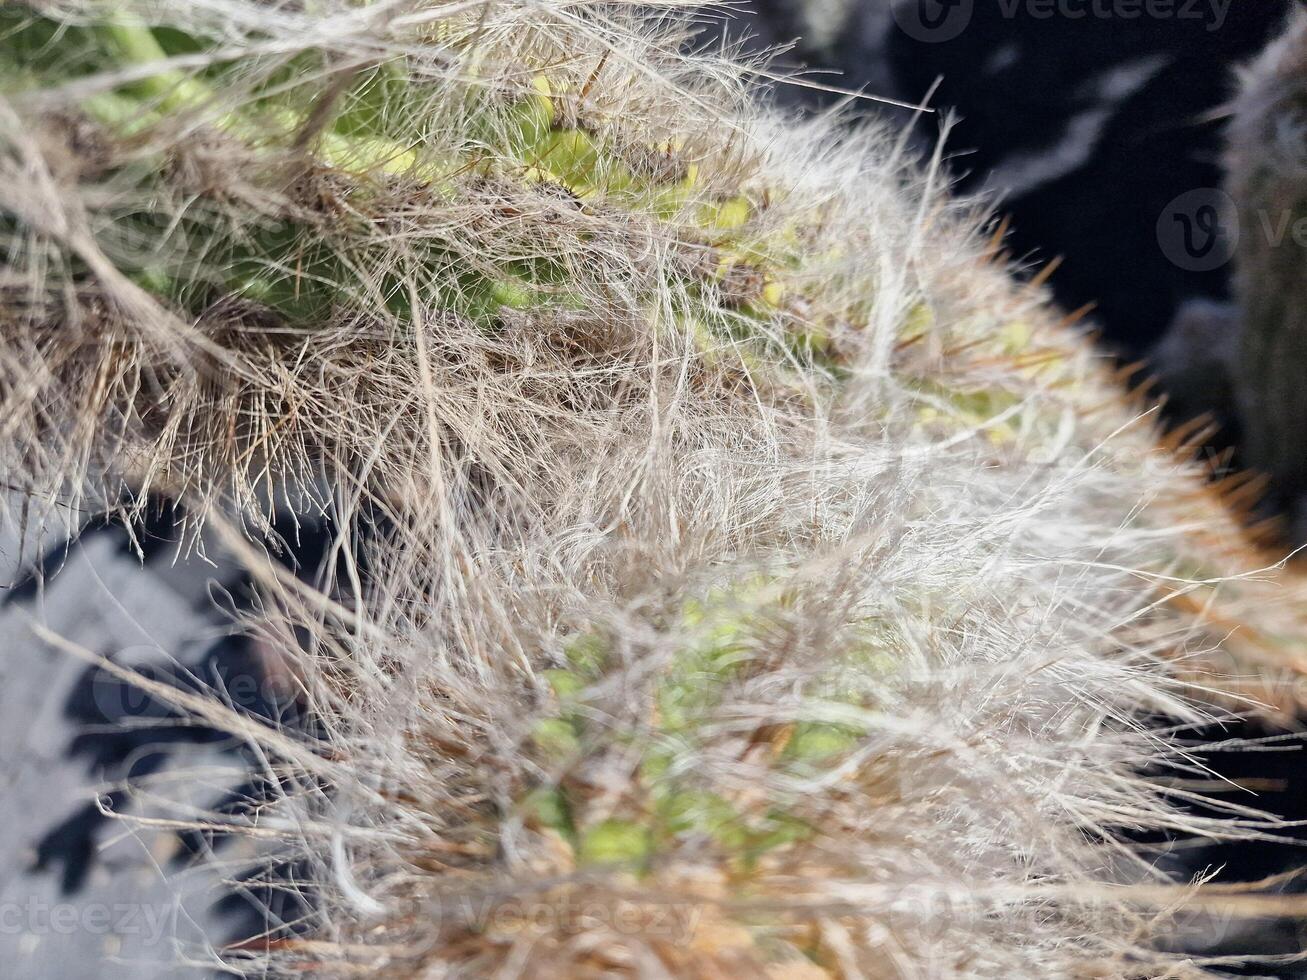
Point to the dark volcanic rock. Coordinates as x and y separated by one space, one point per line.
1088 129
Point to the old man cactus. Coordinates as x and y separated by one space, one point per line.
738 574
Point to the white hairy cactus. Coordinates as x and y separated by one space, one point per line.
759 583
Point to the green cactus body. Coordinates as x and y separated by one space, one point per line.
668 804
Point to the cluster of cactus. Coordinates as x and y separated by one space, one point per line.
739 537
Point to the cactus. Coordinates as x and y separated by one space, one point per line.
1265 163
758 581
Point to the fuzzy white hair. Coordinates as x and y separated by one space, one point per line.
772 588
